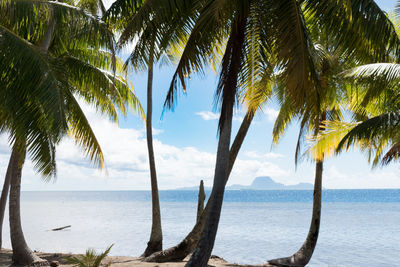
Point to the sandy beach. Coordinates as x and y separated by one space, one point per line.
118 261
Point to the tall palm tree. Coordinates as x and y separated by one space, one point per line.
255 93
328 64
154 40
331 59
80 74
143 56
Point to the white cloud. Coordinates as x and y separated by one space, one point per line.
257 155
271 113
383 178
126 166
208 116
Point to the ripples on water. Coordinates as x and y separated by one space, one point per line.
358 228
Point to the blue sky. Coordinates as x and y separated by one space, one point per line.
185 145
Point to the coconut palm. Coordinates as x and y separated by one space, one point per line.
138 23
80 74
143 56
255 93
331 59
328 65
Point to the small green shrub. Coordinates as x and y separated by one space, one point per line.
90 259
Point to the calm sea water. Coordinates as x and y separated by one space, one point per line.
358 228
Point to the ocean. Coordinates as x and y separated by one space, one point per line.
358 227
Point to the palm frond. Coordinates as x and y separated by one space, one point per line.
90 259
82 133
295 51
326 142
200 44
384 125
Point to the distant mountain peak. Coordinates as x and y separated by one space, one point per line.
263 183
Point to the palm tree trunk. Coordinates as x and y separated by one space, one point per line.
227 87
155 242
3 199
206 243
22 254
189 243
303 255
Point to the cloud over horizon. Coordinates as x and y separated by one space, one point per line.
126 163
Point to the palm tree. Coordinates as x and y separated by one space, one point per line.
138 23
3 200
189 243
255 93
143 56
331 59
80 74
311 121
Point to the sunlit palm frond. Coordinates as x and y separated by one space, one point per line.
383 126
81 131
387 71
326 142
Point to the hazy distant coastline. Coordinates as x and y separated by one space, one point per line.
260 183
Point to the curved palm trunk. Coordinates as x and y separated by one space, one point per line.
189 243
303 255
3 199
206 243
22 254
227 86
155 242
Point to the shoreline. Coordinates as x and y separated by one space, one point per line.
119 261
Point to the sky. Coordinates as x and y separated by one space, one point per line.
185 143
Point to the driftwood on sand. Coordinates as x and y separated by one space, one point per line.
61 228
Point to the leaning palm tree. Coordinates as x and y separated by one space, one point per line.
80 74
256 92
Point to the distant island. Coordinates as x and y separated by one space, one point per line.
260 183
